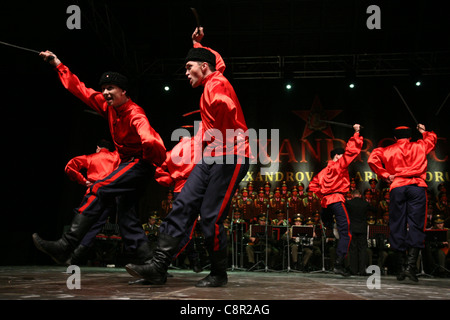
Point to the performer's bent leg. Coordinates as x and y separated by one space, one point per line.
397 219
127 178
186 207
224 179
80 254
133 235
89 238
343 225
185 210
416 217
345 236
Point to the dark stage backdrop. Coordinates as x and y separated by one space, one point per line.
305 142
44 126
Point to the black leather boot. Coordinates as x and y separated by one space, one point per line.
155 270
411 262
194 262
79 255
339 267
144 253
60 250
218 275
400 258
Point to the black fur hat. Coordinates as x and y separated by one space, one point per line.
202 55
402 132
115 78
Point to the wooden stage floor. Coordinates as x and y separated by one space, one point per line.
98 283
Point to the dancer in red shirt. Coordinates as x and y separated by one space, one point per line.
178 166
404 164
331 184
140 149
97 165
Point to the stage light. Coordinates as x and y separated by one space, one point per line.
350 77
416 74
166 88
288 86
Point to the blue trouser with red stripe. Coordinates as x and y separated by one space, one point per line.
207 192
339 211
89 238
186 243
407 215
124 186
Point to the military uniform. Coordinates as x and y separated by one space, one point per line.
246 205
276 203
295 203
260 205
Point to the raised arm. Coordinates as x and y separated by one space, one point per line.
197 37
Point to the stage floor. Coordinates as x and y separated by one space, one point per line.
97 283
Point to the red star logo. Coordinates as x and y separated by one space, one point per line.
312 118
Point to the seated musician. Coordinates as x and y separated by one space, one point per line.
151 229
378 246
295 242
436 251
311 248
280 219
257 241
238 217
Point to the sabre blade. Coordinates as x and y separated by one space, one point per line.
445 100
339 124
197 19
19 47
23 48
406 105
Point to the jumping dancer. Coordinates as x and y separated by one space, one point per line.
140 149
332 183
212 182
404 164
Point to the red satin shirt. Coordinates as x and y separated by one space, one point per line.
178 166
333 182
130 129
220 109
98 166
405 159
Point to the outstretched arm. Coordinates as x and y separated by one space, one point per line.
92 98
